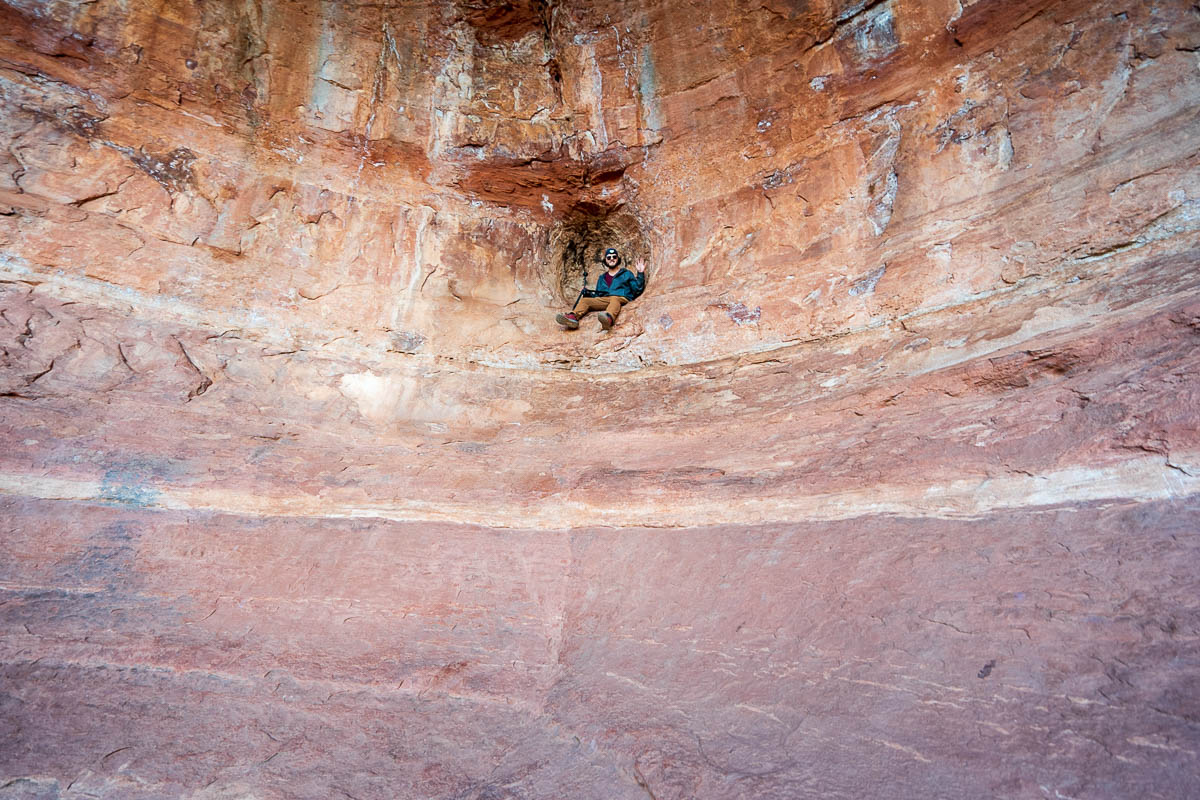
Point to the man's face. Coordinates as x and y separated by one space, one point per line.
611 260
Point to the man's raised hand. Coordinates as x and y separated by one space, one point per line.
640 265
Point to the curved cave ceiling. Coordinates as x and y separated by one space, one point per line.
887 484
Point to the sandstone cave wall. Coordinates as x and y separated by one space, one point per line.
888 483
321 172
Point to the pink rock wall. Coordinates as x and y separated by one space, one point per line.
888 485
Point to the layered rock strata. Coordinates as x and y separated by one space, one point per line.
889 484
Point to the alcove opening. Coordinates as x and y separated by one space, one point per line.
577 243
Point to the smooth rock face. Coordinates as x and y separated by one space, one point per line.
889 485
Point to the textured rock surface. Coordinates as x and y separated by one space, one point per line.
888 485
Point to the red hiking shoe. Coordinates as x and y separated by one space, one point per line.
606 320
569 320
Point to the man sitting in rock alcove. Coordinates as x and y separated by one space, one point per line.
614 288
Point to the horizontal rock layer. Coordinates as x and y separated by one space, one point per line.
888 484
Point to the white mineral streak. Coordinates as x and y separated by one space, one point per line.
1139 480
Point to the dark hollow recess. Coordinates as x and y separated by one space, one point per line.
578 242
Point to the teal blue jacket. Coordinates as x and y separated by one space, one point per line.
624 284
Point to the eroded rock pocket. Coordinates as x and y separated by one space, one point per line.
577 245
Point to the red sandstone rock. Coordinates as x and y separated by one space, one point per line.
886 485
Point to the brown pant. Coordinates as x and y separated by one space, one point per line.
612 304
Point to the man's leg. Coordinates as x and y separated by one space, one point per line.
587 304
611 309
614 305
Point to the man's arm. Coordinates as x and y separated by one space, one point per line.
639 279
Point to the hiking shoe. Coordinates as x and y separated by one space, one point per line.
606 321
569 320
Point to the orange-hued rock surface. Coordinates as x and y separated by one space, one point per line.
889 484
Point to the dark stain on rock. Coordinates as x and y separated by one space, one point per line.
498 23
81 123
987 668
1022 369
129 483
406 341
776 179
866 284
920 343
867 32
740 313
109 555
173 170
